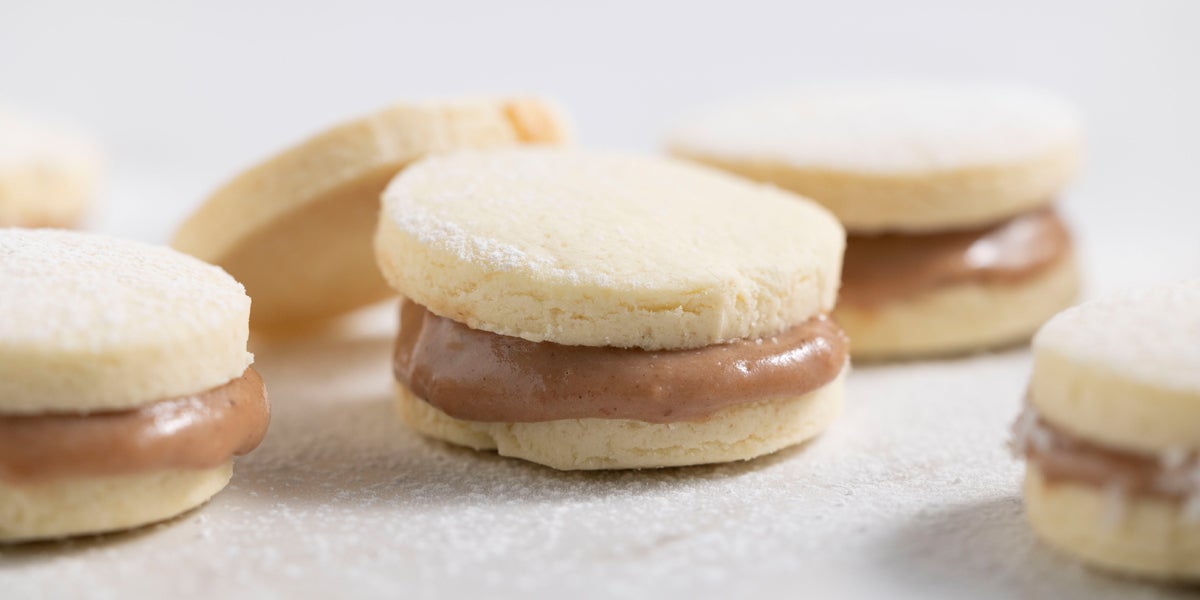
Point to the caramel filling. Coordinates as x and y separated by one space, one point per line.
194 432
883 268
1064 457
480 376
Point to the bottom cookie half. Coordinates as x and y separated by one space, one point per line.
959 318
1138 535
736 433
78 506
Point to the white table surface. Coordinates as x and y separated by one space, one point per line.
910 494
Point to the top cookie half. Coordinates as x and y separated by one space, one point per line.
597 249
98 323
296 229
897 157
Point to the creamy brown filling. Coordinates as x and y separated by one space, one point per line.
194 432
481 376
883 268
1064 457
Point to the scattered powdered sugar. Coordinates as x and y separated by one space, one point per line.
1028 433
67 291
452 237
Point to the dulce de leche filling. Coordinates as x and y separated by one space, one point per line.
1064 457
481 376
882 268
194 432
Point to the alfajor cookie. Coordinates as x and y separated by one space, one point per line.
946 191
296 229
605 311
125 385
48 175
1111 433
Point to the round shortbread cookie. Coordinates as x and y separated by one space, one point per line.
48 176
79 506
959 318
596 249
296 230
736 433
897 157
1139 535
92 322
1124 371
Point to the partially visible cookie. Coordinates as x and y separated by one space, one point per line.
1111 432
48 176
946 192
296 229
912 157
125 385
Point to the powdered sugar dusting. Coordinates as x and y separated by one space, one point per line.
884 127
1150 335
606 219
68 292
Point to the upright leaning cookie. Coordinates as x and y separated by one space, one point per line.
48 176
125 385
1111 433
599 311
296 230
946 190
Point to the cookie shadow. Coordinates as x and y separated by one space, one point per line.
336 441
1017 350
13 556
988 548
359 453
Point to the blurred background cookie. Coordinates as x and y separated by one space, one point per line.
1111 432
604 311
947 192
296 229
125 385
49 175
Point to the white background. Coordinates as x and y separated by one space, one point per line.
911 493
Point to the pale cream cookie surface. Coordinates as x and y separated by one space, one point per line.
296 229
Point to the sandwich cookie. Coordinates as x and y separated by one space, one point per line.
48 176
1111 433
296 229
125 385
946 191
604 311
